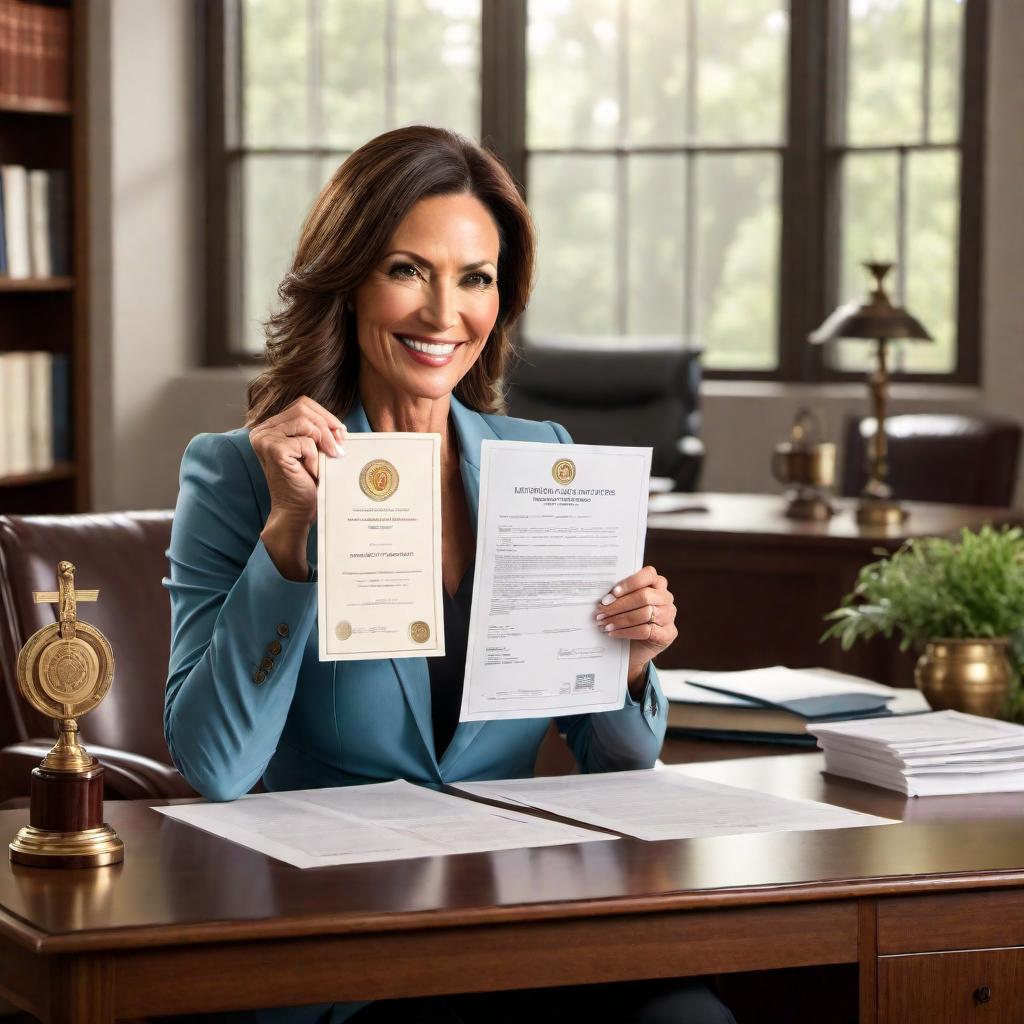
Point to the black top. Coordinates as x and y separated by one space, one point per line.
447 673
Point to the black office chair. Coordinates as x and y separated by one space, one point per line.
960 460
617 391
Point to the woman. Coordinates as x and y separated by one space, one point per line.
410 271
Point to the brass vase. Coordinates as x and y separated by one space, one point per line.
972 676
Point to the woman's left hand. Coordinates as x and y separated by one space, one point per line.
640 609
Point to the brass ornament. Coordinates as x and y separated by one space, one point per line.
419 632
807 465
64 670
564 472
378 480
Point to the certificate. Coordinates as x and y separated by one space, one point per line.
558 527
379 549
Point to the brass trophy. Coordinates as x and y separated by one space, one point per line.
808 466
64 671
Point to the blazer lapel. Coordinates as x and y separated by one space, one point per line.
471 429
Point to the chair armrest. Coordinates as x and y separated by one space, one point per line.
127 776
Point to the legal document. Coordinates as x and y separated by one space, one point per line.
379 549
662 804
558 527
383 821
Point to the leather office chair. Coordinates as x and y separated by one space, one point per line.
618 391
122 554
960 460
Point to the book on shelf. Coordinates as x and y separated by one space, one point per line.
34 212
34 51
34 412
14 182
777 704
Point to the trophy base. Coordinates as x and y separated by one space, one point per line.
66 827
88 848
809 507
878 512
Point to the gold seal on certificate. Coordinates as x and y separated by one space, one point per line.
564 472
379 549
378 480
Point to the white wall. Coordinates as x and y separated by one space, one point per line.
151 397
144 322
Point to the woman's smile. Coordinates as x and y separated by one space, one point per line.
428 351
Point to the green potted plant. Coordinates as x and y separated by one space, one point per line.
960 604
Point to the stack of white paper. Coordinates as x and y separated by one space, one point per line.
937 754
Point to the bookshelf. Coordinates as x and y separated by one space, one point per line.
51 314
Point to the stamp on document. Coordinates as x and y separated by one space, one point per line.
343 630
378 480
419 632
564 472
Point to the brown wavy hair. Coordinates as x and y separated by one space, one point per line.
311 340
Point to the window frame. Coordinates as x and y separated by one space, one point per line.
809 237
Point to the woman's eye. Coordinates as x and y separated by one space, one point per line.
406 270
477 278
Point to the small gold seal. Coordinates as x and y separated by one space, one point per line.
378 480
343 630
419 632
564 472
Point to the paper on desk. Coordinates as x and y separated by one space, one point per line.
938 733
778 684
662 804
358 824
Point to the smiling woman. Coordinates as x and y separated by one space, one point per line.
350 243
410 271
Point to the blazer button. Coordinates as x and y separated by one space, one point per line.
259 676
267 664
274 648
282 629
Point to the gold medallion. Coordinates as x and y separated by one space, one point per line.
378 480
564 472
65 677
343 630
419 632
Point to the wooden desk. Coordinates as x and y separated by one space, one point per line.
191 923
752 586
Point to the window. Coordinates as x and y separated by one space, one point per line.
317 78
899 162
654 141
715 171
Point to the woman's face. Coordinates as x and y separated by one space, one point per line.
426 310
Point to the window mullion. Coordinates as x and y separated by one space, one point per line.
802 266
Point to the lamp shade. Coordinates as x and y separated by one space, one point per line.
872 317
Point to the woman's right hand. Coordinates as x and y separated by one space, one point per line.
288 446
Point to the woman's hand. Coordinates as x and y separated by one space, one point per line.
288 446
640 609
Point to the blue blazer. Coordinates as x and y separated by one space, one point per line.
310 723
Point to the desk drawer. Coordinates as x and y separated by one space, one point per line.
952 988
977 920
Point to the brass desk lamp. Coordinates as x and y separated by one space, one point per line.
875 317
